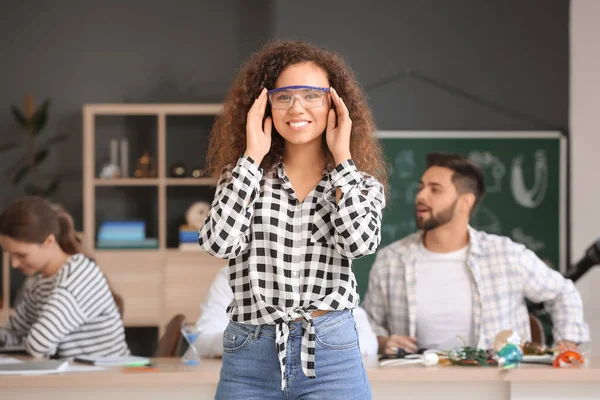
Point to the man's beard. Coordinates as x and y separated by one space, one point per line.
437 220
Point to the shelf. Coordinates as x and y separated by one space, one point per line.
156 182
127 182
150 109
191 181
155 283
174 250
170 250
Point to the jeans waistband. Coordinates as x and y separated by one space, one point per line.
329 318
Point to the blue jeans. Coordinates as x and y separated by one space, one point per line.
251 368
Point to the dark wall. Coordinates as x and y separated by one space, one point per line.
79 52
510 52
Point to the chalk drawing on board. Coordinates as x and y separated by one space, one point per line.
485 220
530 242
532 197
492 167
404 164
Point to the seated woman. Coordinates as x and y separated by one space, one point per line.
67 309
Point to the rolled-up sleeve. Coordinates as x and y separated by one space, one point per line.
357 216
560 298
226 230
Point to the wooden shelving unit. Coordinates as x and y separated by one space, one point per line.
5 310
155 283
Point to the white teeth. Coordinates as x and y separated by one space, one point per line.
298 124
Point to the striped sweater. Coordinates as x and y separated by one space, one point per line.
69 314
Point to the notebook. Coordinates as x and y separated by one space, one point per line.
13 349
34 367
127 361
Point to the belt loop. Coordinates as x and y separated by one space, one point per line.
257 331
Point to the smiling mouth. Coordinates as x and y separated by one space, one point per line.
298 126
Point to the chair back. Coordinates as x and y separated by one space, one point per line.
537 330
169 343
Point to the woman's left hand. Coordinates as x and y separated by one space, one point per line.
338 137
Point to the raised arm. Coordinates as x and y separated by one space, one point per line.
357 215
226 230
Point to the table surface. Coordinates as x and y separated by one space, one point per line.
173 373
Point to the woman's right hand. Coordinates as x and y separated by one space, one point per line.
258 138
7 338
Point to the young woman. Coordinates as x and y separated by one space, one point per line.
66 309
300 195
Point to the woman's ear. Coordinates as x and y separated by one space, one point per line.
50 240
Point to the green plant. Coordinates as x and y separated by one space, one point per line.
32 120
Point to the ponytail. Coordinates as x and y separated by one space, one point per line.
66 237
31 219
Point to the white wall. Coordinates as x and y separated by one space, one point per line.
585 150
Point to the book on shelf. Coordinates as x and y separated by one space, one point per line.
122 230
188 237
188 234
148 243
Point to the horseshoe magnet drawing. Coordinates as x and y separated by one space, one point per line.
530 198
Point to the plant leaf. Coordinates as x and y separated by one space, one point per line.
8 146
24 170
40 156
54 140
51 188
20 174
32 190
19 116
40 117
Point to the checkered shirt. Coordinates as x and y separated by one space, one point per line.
504 274
289 258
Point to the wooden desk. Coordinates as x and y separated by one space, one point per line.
175 381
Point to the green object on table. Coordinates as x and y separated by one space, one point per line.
471 357
510 356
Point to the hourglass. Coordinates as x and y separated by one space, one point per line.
190 332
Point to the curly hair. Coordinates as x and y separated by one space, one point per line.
228 135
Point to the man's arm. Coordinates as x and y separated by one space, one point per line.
366 338
214 320
375 303
560 297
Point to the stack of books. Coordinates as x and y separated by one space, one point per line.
188 238
124 235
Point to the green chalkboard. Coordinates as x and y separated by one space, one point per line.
525 182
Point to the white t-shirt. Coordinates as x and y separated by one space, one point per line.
444 300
